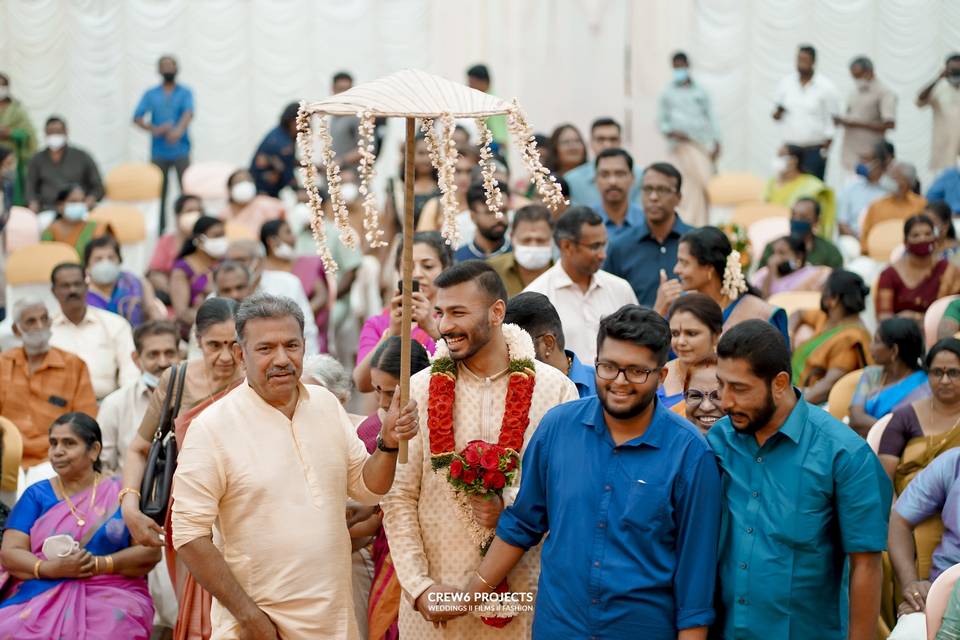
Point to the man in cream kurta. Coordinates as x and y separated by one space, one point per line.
274 491
429 540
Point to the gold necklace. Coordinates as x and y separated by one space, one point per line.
93 496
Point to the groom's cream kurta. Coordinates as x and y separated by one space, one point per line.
428 541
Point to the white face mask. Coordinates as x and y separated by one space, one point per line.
186 221
150 380
299 217
887 183
243 192
862 84
214 247
56 141
105 272
284 251
75 211
530 257
350 192
778 164
4 92
36 342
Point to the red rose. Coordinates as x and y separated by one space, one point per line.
512 463
456 469
469 476
490 460
494 480
471 456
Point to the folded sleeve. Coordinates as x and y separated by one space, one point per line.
198 485
926 494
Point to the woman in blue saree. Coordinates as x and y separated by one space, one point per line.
68 568
897 379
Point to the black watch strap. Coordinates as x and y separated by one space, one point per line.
385 448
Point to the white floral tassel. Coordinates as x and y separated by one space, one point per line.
371 216
522 134
443 157
340 213
488 169
734 284
305 142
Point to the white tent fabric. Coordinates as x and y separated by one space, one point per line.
566 60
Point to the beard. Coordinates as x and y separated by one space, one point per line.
760 419
494 233
476 338
630 412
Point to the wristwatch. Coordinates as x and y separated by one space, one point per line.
383 447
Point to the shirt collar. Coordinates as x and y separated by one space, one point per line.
52 359
652 437
679 228
480 255
59 318
579 373
463 368
797 420
563 278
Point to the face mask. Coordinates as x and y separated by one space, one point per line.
299 217
243 192
186 221
284 251
532 258
150 380
778 164
786 268
56 141
75 211
863 170
4 92
350 192
215 247
681 75
800 228
862 84
920 249
36 342
887 183
954 79
169 77
105 272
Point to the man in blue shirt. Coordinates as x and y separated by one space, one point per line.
614 177
804 495
490 238
274 160
534 313
639 254
947 188
170 107
604 134
630 496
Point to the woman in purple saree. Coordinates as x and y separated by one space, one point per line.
86 582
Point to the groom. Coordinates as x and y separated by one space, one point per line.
433 531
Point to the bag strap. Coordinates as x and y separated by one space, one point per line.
181 383
164 425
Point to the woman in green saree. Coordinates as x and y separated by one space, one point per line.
789 184
16 134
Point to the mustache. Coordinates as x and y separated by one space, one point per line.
279 371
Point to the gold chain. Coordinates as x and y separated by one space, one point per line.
93 496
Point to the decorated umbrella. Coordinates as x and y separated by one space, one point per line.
410 94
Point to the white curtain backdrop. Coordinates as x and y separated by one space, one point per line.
566 60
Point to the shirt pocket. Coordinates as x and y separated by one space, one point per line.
806 521
646 506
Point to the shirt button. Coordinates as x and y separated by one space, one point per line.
595 601
742 601
663 249
743 565
606 487
755 494
759 458
602 525
597 563
749 529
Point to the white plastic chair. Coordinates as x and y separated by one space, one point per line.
762 232
937 599
876 432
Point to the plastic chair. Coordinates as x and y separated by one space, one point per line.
791 301
876 432
747 213
884 238
33 264
726 189
763 232
933 316
838 402
22 229
208 181
130 229
12 456
235 231
134 182
937 599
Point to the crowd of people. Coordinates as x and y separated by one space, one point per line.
613 430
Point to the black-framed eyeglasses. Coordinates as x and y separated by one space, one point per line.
694 397
660 191
595 247
636 375
937 374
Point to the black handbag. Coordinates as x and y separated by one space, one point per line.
162 457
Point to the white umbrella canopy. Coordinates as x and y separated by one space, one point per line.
412 93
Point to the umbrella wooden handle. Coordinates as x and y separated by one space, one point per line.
406 270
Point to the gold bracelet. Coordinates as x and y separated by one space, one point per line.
109 564
489 586
124 492
96 565
36 569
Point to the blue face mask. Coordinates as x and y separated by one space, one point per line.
681 75
800 228
863 170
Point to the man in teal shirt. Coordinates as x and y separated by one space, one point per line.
803 496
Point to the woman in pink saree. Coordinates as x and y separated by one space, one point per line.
69 570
